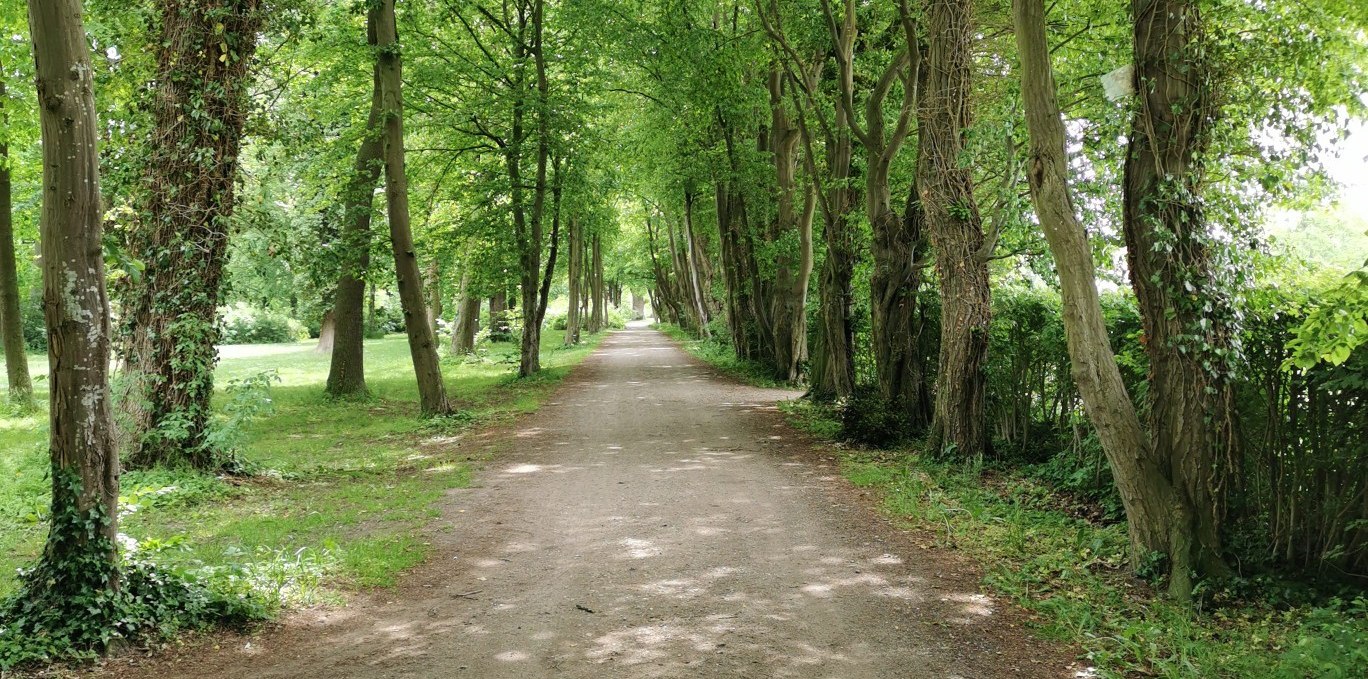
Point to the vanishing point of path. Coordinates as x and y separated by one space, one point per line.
651 520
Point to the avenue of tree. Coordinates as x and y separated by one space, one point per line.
860 197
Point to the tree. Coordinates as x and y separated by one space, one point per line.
1168 252
575 255
793 269
170 328
1142 477
898 244
11 323
422 344
467 317
946 187
80 558
347 372
833 357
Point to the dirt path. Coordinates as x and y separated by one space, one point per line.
652 520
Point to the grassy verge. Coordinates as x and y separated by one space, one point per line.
718 353
344 489
1072 572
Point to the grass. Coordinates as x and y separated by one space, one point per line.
717 352
1073 574
344 489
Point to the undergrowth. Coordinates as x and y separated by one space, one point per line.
716 351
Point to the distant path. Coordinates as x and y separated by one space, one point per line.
652 520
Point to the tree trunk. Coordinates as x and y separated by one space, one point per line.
898 240
793 269
372 323
467 318
434 294
895 309
833 370
576 263
956 231
665 305
528 229
203 60
747 314
11 322
499 329
327 333
422 345
1141 477
544 293
638 306
597 317
347 372
1170 270
695 262
80 559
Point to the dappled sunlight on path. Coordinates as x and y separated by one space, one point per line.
652 520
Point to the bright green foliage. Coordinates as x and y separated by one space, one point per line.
1335 328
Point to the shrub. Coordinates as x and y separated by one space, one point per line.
867 418
243 324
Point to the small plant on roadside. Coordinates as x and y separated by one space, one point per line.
249 399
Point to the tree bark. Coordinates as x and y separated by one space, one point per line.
597 315
793 269
467 318
434 295
576 264
347 371
528 229
204 53
499 329
422 345
85 463
665 305
11 322
834 360
956 231
695 263
898 242
1141 477
544 293
1170 270
327 333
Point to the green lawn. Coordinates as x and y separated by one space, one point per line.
342 489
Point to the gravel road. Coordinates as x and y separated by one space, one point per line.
652 520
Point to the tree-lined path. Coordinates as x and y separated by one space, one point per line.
652 520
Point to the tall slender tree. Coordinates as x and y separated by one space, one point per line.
422 344
347 371
793 267
1142 476
11 322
